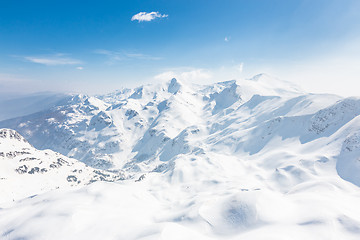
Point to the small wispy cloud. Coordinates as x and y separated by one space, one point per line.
141 56
227 39
147 17
115 56
52 60
112 55
80 68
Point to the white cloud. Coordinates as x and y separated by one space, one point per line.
147 17
165 75
226 39
53 60
79 68
202 75
192 75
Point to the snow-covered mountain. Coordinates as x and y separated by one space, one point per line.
250 159
26 171
107 131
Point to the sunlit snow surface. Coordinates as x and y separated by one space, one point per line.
252 159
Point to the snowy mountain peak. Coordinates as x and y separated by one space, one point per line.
227 97
174 86
12 139
266 85
227 83
260 76
78 98
11 135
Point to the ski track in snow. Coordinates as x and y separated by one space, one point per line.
247 159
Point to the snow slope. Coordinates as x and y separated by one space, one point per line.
248 159
26 171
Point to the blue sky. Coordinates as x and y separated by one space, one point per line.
99 46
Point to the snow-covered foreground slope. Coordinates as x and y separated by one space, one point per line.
226 208
26 171
248 159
